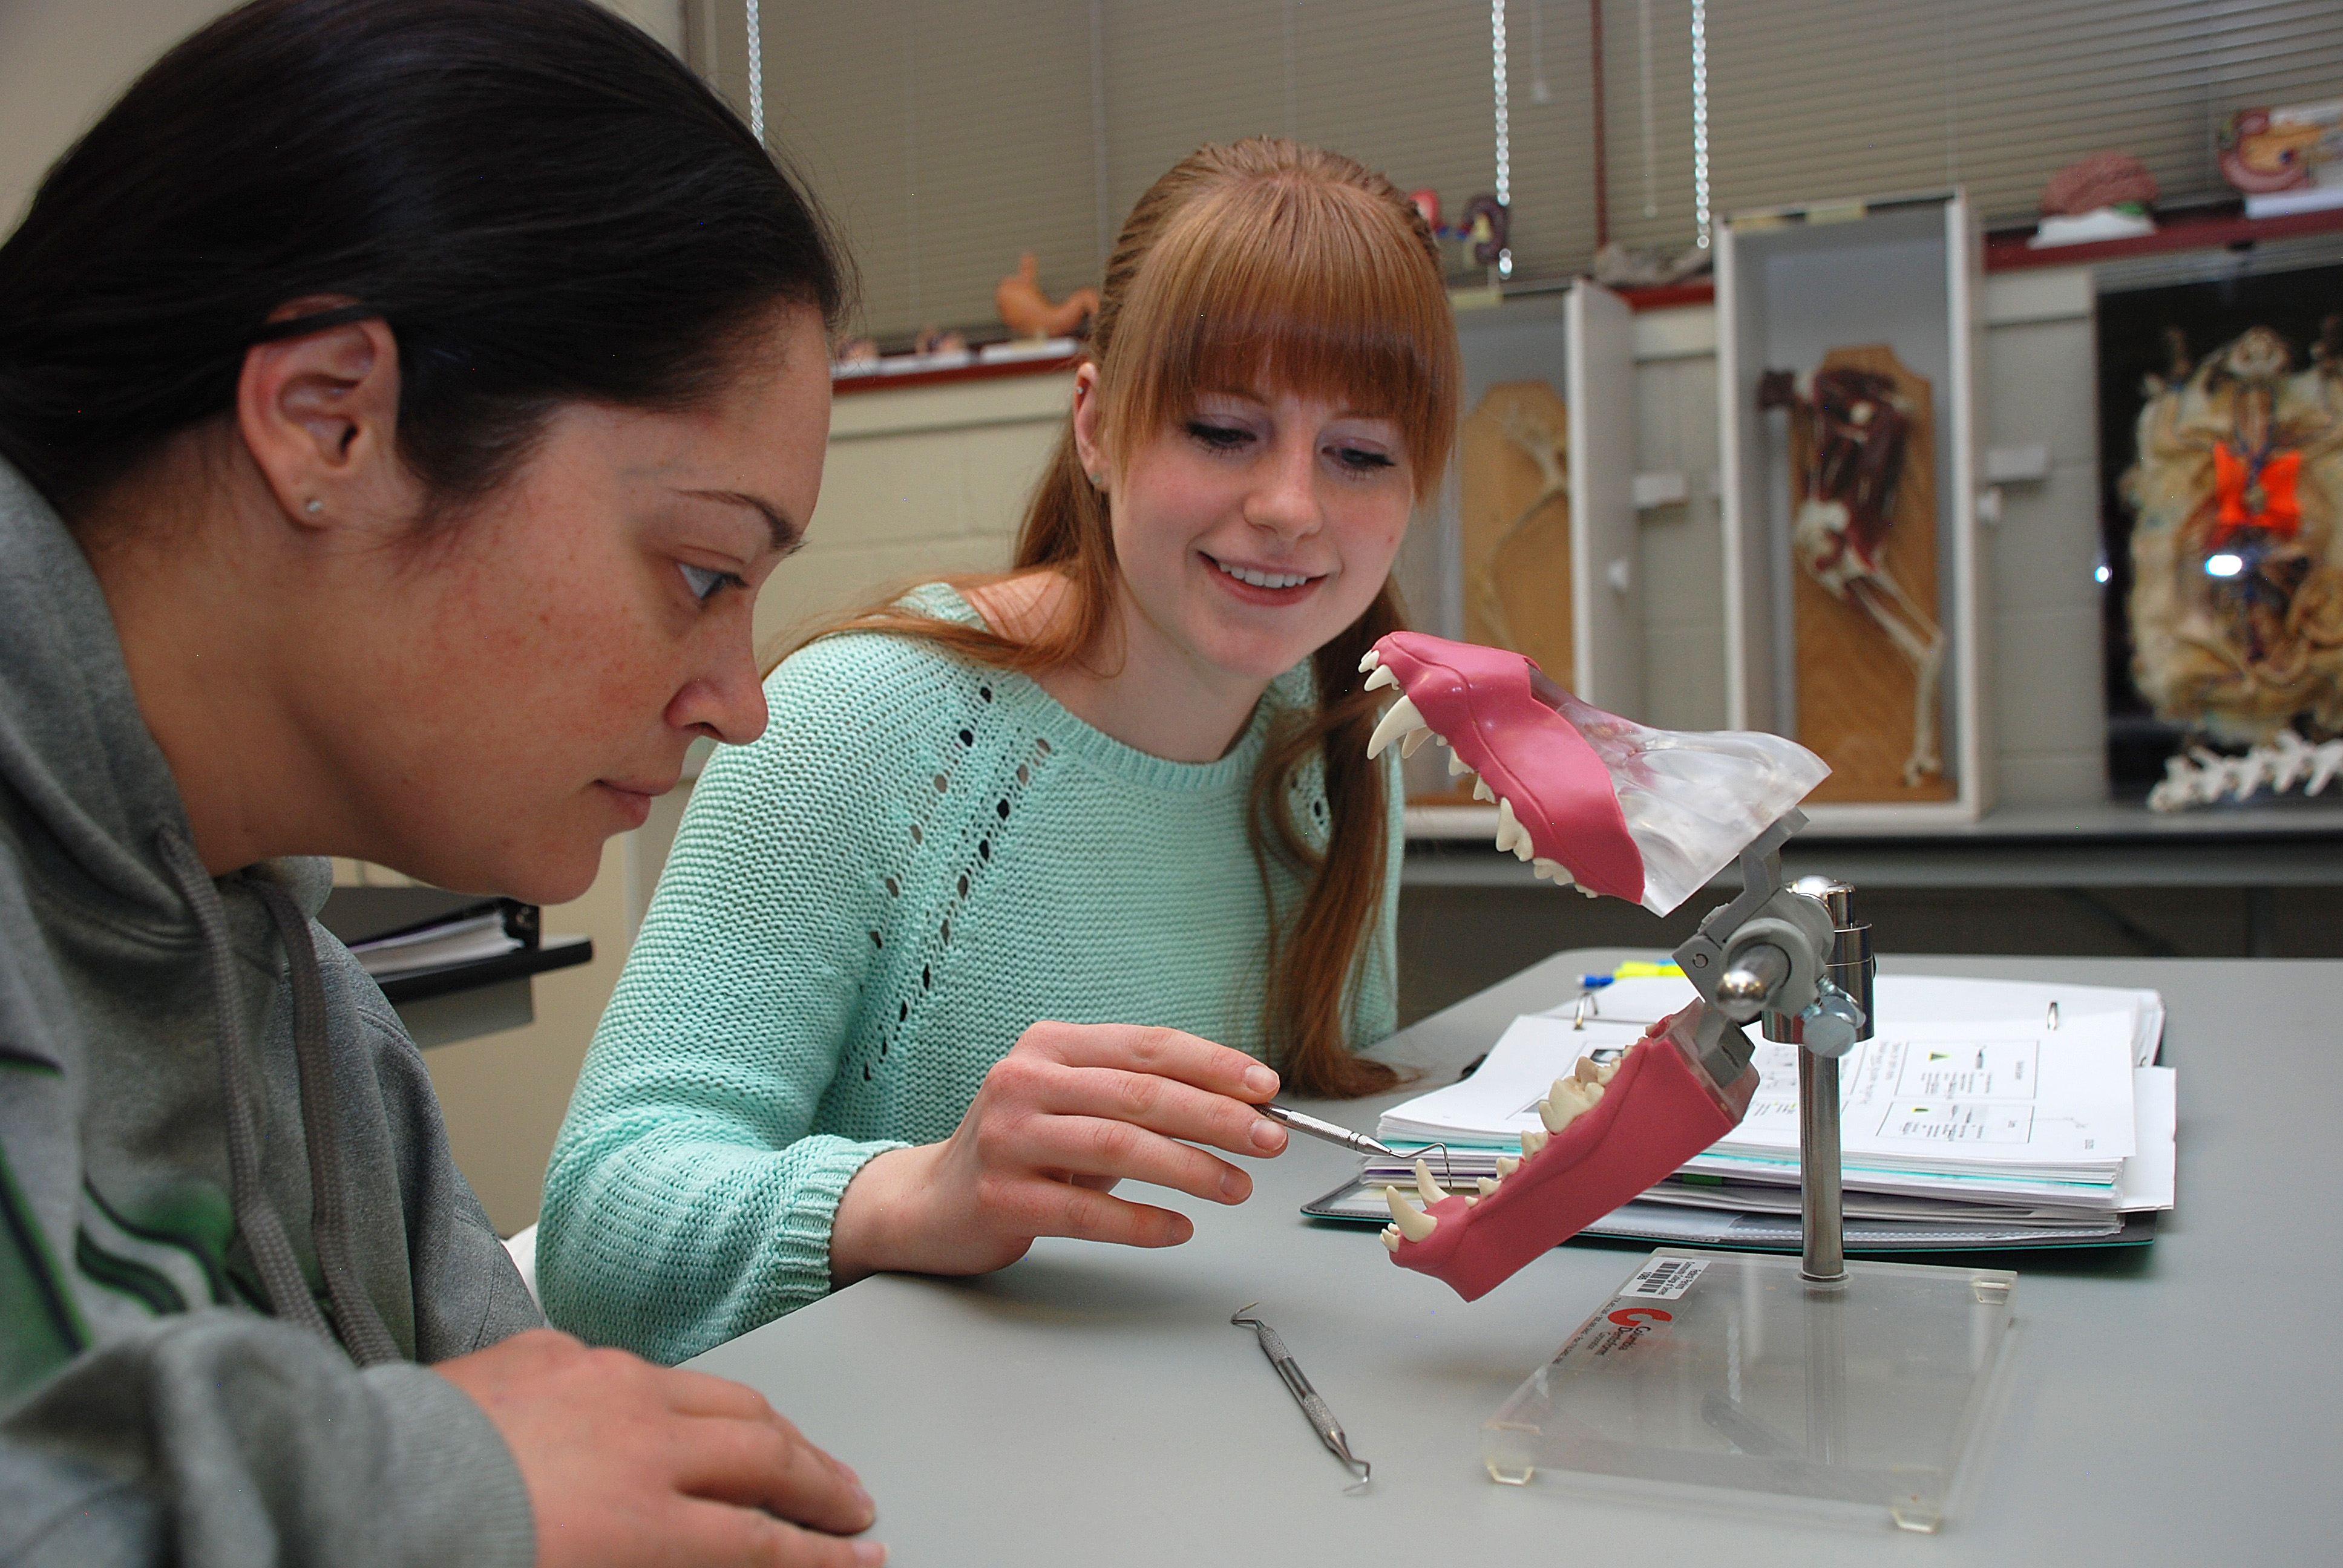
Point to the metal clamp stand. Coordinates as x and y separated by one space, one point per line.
1710 1381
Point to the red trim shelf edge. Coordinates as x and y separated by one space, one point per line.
843 385
2008 252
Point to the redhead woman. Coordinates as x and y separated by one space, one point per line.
399 402
934 964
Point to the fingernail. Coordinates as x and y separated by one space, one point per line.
1261 1080
1267 1134
846 1473
1234 1185
873 1552
869 1505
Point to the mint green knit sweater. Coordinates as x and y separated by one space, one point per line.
862 911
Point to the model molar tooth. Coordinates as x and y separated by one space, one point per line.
1481 789
1506 1166
1609 1071
1370 659
1486 1184
1564 1103
1533 1140
1414 1222
1399 720
1457 765
1390 1238
1553 871
1414 743
1425 1185
1586 1071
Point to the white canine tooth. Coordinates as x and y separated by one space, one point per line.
1457 765
1532 1142
1586 1071
1370 659
1381 678
1390 1238
1487 1184
1414 743
1511 834
1506 1166
1413 1223
1399 720
1425 1185
1481 789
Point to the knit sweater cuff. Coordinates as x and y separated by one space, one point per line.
823 1166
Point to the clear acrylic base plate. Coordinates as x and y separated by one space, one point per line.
1727 1379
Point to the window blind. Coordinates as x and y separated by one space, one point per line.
949 137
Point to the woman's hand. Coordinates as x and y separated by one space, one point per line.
628 1463
1070 1111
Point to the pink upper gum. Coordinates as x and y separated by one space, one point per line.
1479 701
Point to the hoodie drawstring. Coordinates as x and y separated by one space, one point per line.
363 1333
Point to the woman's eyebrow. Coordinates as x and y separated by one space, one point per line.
787 536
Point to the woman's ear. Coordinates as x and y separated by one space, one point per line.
1087 428
319 414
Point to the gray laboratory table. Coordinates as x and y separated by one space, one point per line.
2177 1404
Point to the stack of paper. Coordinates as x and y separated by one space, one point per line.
1984 1110
466 938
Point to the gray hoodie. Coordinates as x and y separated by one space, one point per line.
220 1165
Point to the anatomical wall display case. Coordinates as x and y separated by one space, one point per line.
2221 503
1534 548
1845 381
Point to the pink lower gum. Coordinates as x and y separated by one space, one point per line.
1658 1111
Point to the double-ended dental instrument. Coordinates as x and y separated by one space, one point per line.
1321 1420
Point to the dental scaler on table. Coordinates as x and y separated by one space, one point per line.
1649 816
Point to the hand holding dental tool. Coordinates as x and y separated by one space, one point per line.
1071 1110
1610 807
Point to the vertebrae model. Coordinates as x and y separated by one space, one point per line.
2205 777
1613 808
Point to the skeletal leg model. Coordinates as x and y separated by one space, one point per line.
1641 814
2204 777
1856 431
1550 452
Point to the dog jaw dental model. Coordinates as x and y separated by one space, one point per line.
1641 814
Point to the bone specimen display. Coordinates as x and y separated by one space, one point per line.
1863 533
2236 599
1610 807
1026 311
1514 453
2205 778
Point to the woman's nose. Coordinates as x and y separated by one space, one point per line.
1285 502
725 701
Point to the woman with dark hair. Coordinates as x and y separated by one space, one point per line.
1128 779
400 402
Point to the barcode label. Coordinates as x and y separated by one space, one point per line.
1665 1279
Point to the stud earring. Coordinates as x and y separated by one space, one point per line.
314 507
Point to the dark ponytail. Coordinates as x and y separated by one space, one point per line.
543 204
